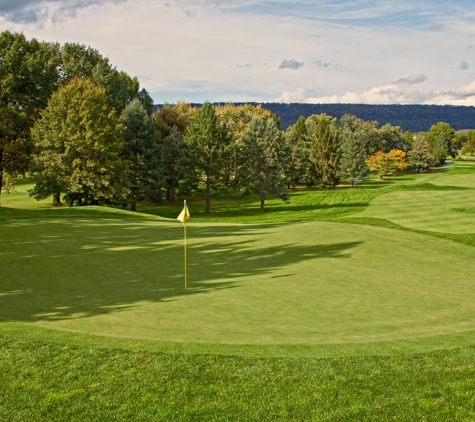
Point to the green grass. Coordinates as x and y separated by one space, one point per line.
307 318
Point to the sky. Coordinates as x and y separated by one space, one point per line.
321 51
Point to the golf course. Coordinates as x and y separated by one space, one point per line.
345 304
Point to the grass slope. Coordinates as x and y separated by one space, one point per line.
91 298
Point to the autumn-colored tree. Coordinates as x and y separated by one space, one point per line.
239 117
387 164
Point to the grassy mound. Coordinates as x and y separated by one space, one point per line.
307 318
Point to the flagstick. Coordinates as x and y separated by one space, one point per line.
184 226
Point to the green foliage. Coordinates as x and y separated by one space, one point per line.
420 157
140 154
439 139
323 150
353 165
260 161
27 78
295 156
469 145
170 152
368 132
393 139
208 144
79 147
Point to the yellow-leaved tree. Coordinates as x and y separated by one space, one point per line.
387 164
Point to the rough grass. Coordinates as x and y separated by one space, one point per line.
347 322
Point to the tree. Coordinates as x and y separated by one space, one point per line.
420 158
260 161
27 79
170 116
323 150
207 149
140 153
238 118
353 165
439 139
387 164
170 151
368 132
393 139
78 143
295 157
469 146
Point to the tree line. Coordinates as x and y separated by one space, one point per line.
87 135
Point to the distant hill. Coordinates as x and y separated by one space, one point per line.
412 118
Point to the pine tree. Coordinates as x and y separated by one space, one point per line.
140 152
420 158
170 154
353 165
204 158
295 157
260 161
323 150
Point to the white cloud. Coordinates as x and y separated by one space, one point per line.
388 94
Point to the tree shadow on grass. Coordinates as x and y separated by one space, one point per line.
65 269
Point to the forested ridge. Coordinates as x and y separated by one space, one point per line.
410 117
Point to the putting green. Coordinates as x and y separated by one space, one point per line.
312 283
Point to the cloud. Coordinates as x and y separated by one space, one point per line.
297 96
464 66
290 64
412 79
388 94
244 65
435 27
32 11
189 12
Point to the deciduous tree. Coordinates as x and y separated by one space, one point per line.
78 142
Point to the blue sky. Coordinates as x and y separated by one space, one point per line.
367 51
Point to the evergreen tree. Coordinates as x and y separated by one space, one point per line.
420 157
295 158
140 153
323 150
207 148
260 161
170 152
78 140
353 165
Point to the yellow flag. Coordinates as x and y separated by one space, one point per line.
184 215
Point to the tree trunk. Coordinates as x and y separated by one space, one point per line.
1 178
56 200
133 206
263 199
352 183
208 195
79 201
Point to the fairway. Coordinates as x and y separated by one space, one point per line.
312 283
